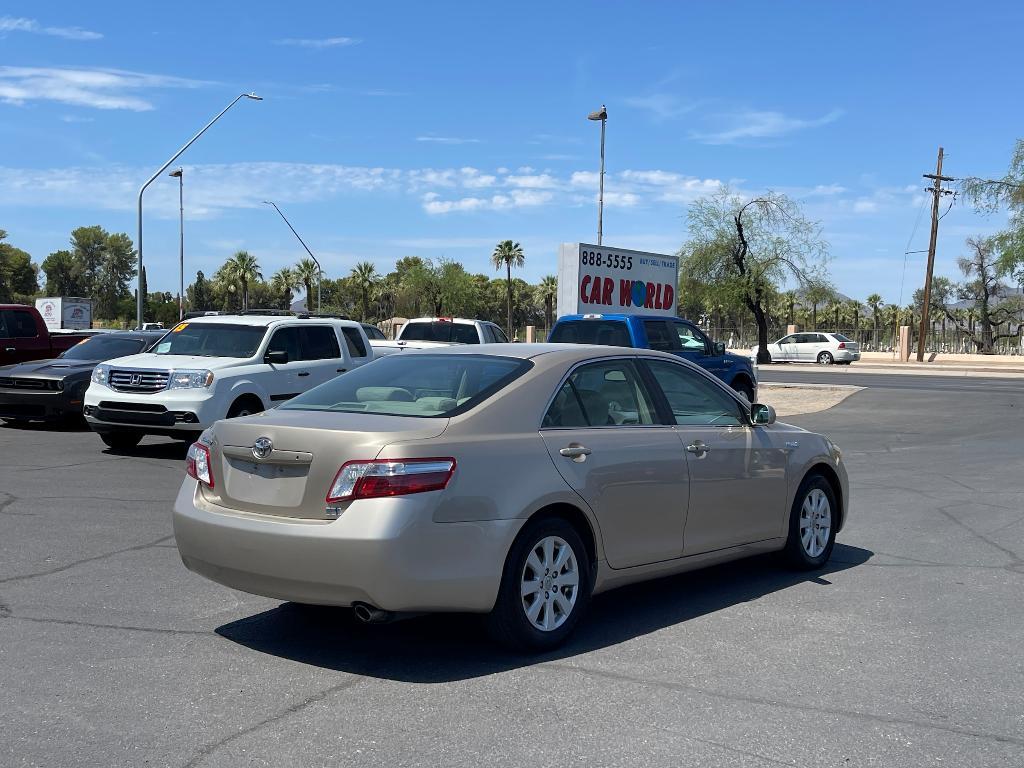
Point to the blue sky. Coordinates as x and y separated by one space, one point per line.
436 129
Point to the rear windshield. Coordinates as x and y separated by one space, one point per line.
212 340
414 385
102 347
461 333
610 333
841 337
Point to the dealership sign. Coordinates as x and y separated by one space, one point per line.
598 279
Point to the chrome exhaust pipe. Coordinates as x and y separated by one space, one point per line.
368 614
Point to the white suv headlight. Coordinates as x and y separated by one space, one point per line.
100 374
190 379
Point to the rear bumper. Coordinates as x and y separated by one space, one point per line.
388 553
847 356
41 404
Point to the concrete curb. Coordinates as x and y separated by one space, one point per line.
903 370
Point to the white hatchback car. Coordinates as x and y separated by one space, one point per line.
213 368
814 347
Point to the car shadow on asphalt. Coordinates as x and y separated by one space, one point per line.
441 648
57 425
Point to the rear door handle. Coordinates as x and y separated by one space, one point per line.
575 451
340 370
10 349
698 447
303 373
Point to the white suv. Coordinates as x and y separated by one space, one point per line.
218 367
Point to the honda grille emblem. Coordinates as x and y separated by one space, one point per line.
262 447
136 379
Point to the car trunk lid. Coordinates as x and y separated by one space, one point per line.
282 462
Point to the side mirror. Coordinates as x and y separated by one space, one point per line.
277 357
719 348
762 415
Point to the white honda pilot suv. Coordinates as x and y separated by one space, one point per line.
213 368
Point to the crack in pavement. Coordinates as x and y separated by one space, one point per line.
11 498
5 613
764 701
209 749
66 566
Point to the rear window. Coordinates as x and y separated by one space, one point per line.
414 385
212 340
17 324
610 333
354 340
103 347
462 333
841 337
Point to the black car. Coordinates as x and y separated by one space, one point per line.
53 389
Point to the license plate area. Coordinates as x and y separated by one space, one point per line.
263 484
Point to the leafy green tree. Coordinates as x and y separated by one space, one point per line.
990 299
815 295
306 273
199 298
89 248
874 302
284 282
243 269
117 268
751 246
63 275
547 293
17 273
508 254
364 276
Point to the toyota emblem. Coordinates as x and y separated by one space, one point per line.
262 447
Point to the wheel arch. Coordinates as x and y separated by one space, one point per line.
578 519
246 396
823 469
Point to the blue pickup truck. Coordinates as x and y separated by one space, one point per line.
668 334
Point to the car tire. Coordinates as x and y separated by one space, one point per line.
518 620
825 358
243 406
746 390
121 441
812 524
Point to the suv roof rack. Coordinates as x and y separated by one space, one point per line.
323 315
266 312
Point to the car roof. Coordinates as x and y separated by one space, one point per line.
621 316
444 319
531 351
265 320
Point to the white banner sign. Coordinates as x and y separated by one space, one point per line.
595 279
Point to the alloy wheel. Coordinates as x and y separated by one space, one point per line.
549 583
815 522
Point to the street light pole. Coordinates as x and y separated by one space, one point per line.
180 174
319 269
602 115
151 179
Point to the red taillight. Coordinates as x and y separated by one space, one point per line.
198 464
842 345
389 477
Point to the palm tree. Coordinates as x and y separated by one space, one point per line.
874 302
853 307
244 269
547 291
364 276
511 255
306 271
284 282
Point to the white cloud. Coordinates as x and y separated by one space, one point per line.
447 140
663 106
515 199
319 43
532 181
865 205
474 179
97 88
12 24
752 124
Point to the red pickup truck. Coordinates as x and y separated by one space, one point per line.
24 336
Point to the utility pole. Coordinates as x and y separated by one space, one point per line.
937 192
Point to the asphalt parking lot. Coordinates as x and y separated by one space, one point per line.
905 651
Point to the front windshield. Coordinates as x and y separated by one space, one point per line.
212 340
413 385
103 347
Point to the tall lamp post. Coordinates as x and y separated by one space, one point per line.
180 175
319 269
602 115
151 179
